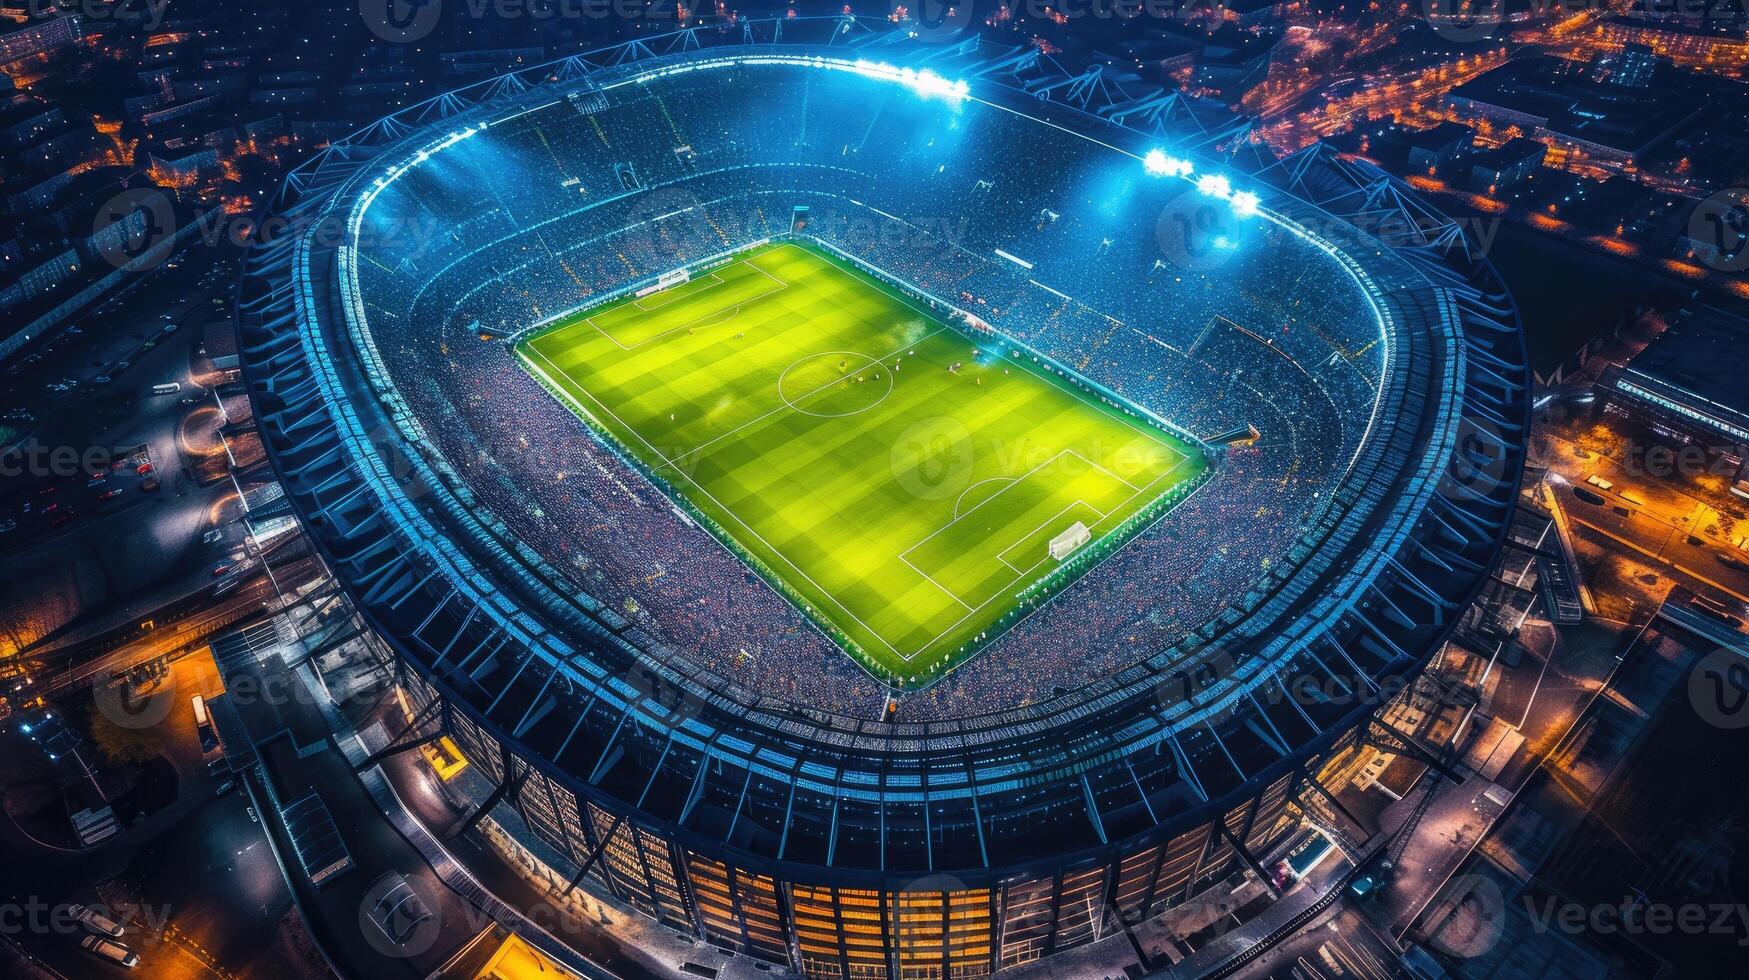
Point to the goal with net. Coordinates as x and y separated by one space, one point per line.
1064 544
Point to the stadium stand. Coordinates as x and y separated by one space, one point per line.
661 724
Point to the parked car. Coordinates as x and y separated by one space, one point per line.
398 909
112 951
95 921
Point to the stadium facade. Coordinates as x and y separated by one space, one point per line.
855 845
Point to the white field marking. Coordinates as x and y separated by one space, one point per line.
907 658
951 594
727 511
579 406
890 375
1016 482
806 394
1103 514
1114 476
955 596
702 318
707 280
957 500
785 559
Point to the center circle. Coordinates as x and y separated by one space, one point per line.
834 384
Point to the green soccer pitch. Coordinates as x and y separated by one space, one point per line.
900 480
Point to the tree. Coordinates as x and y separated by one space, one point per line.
121 745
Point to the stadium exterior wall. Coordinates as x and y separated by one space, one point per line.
999 840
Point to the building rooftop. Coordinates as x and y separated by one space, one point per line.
1564 98
1505 155
1699 362
1441 137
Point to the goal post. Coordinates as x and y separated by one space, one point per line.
1065 544
665 281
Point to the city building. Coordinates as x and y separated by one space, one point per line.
1709 43
1690 379
1506 166
1560 103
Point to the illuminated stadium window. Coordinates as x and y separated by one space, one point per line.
1683 410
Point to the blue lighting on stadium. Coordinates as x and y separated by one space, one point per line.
1215 185
1158 164
321 312
925 83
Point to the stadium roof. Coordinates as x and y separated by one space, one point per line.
571 685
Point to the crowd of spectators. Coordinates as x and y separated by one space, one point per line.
571 203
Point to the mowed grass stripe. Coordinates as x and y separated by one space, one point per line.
831 482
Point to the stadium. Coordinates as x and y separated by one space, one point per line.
887 508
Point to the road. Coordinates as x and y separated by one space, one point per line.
1694 559
196 885
79 550
197 619
1339 944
